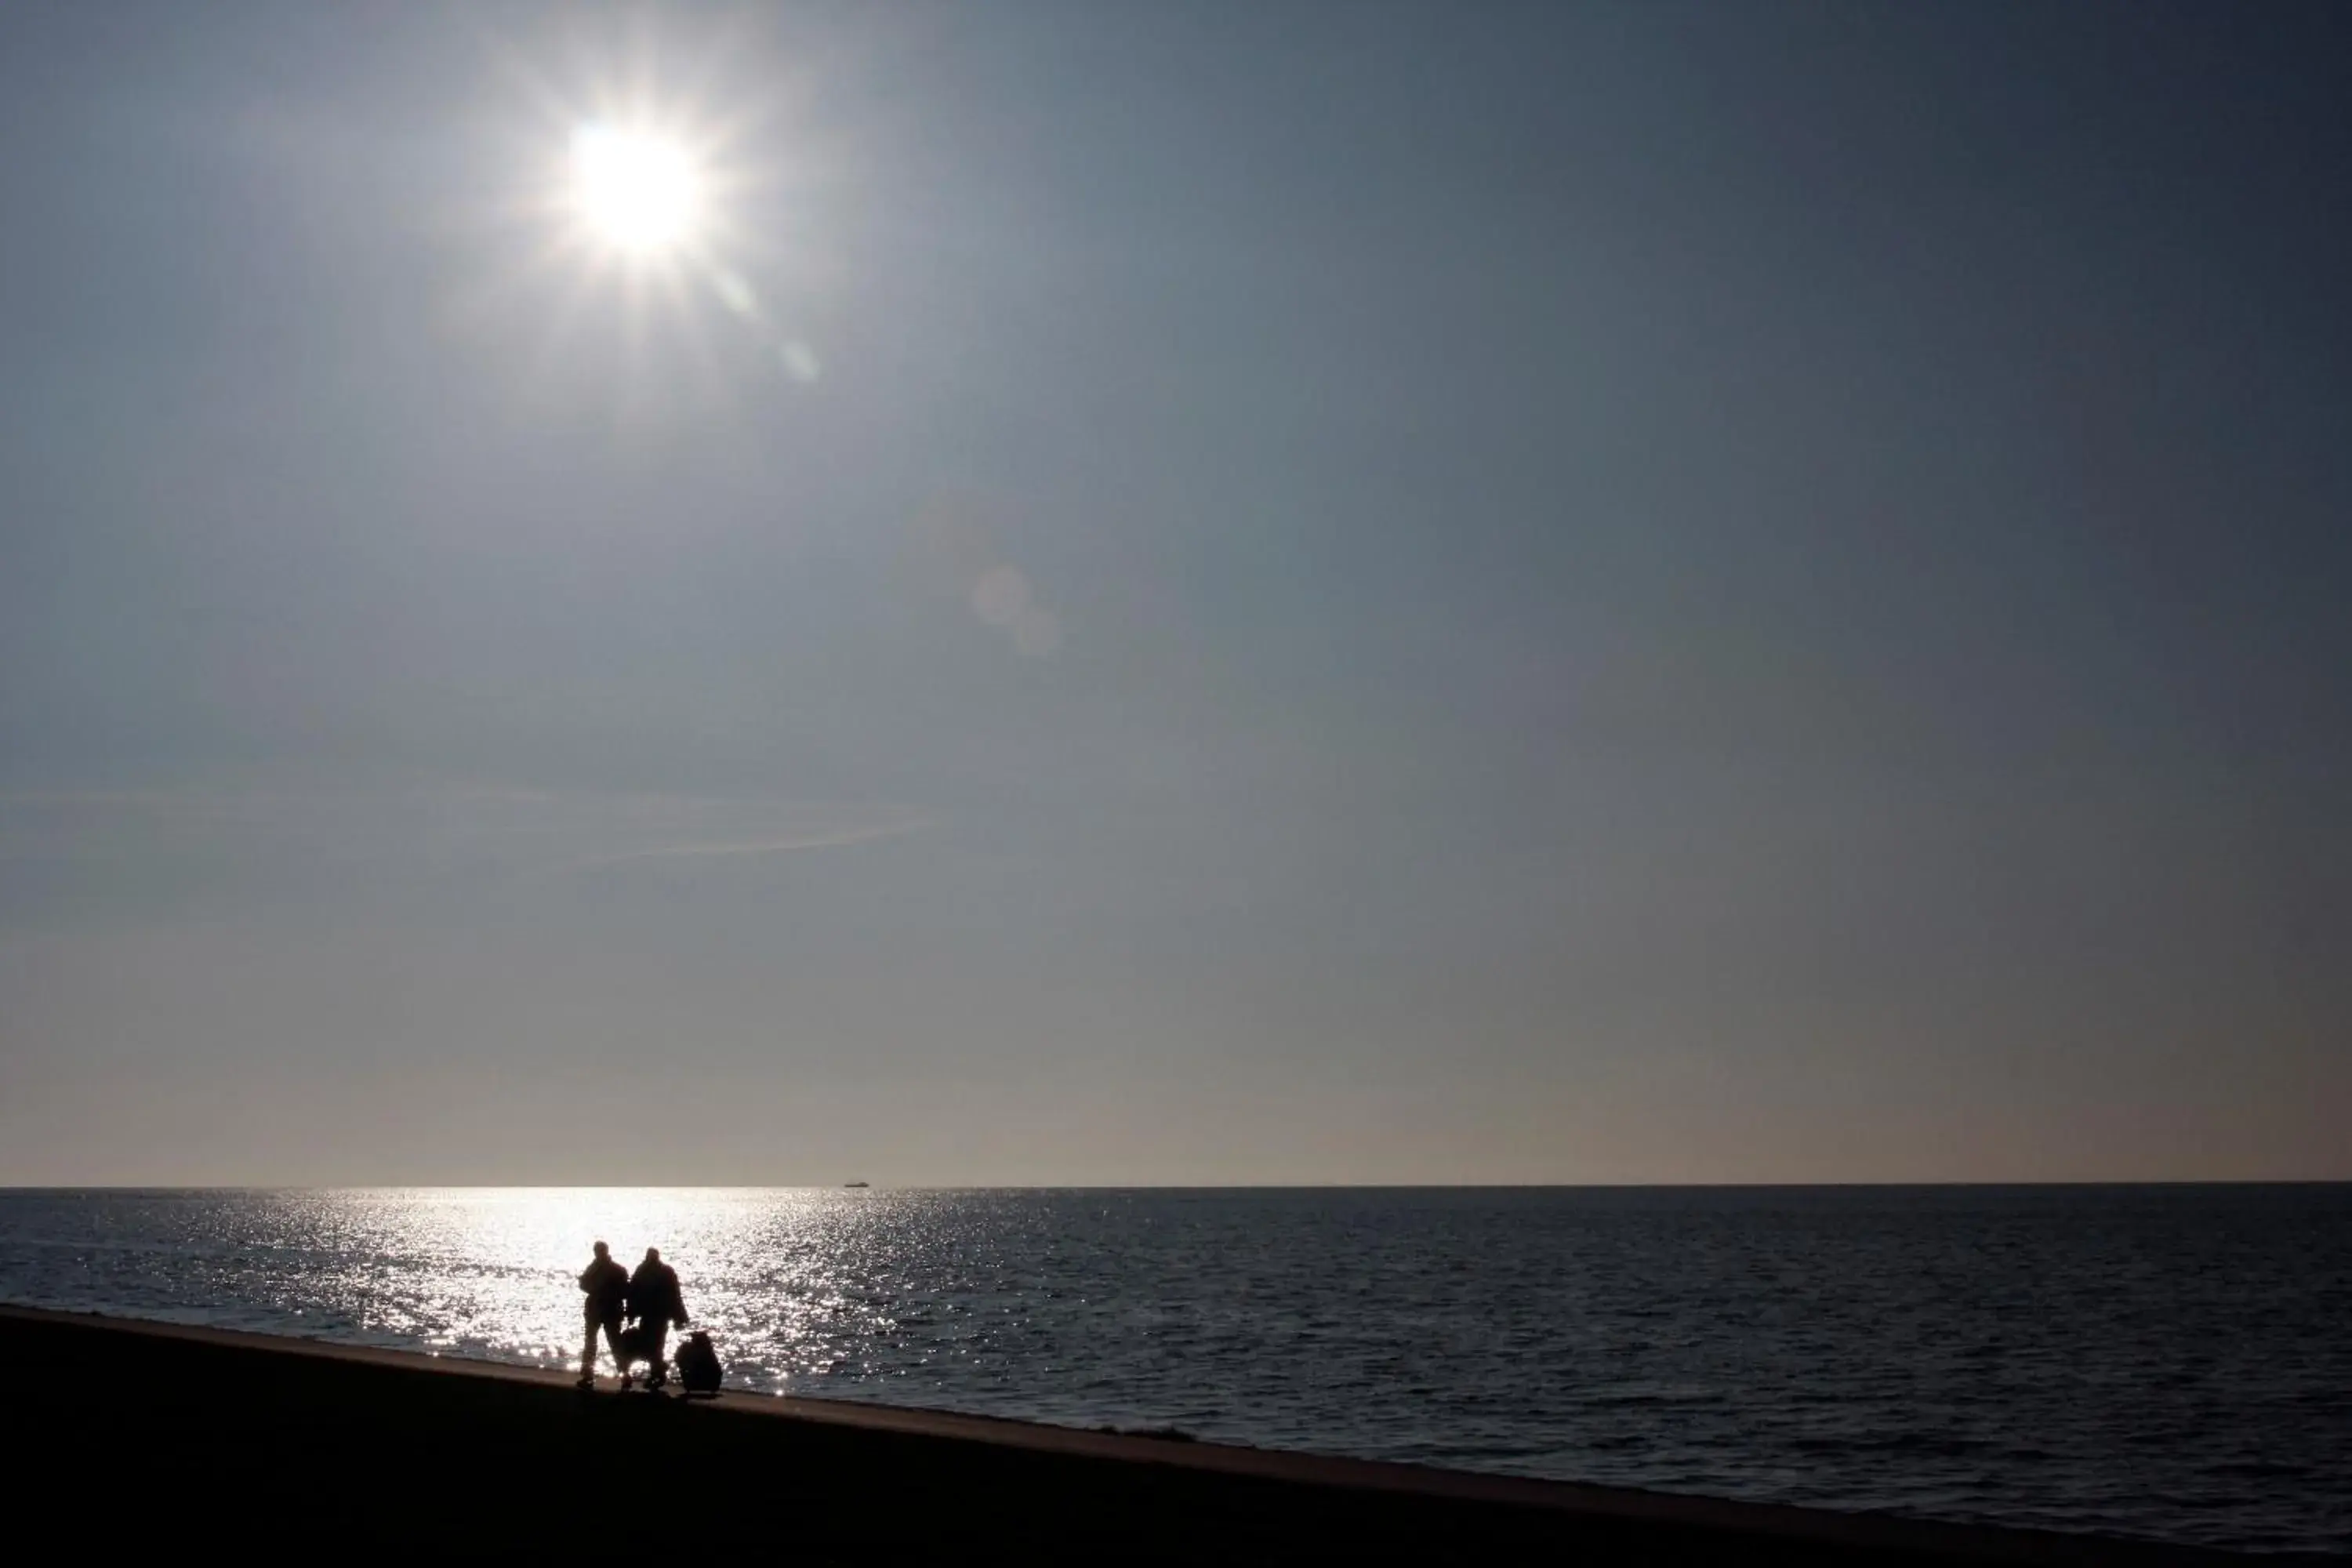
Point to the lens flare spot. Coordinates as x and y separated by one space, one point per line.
1001 596
736 292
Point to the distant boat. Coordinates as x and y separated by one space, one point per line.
857 1183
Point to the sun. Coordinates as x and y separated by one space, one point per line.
638 192
682 222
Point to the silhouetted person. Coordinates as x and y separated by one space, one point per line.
698 1364
655 1302
607 1285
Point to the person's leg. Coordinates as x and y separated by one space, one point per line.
588 1354
659 1343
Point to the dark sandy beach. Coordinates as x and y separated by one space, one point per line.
165 1431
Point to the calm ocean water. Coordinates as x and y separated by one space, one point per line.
2171 1363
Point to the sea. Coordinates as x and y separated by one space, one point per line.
2170 1362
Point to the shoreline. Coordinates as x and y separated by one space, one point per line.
174 1411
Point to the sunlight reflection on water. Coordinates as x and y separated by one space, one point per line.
774 1276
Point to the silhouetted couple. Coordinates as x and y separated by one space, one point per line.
651 1296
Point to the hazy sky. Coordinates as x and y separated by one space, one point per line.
1201 591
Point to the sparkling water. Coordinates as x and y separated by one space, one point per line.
2173 1363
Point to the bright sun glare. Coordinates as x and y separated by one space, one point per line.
637 193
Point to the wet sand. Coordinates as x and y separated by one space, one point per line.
164 1432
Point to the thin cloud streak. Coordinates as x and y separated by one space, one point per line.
766 846
535 833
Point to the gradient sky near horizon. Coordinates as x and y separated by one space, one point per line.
1204 592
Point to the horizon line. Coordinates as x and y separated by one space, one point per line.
1957 1185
